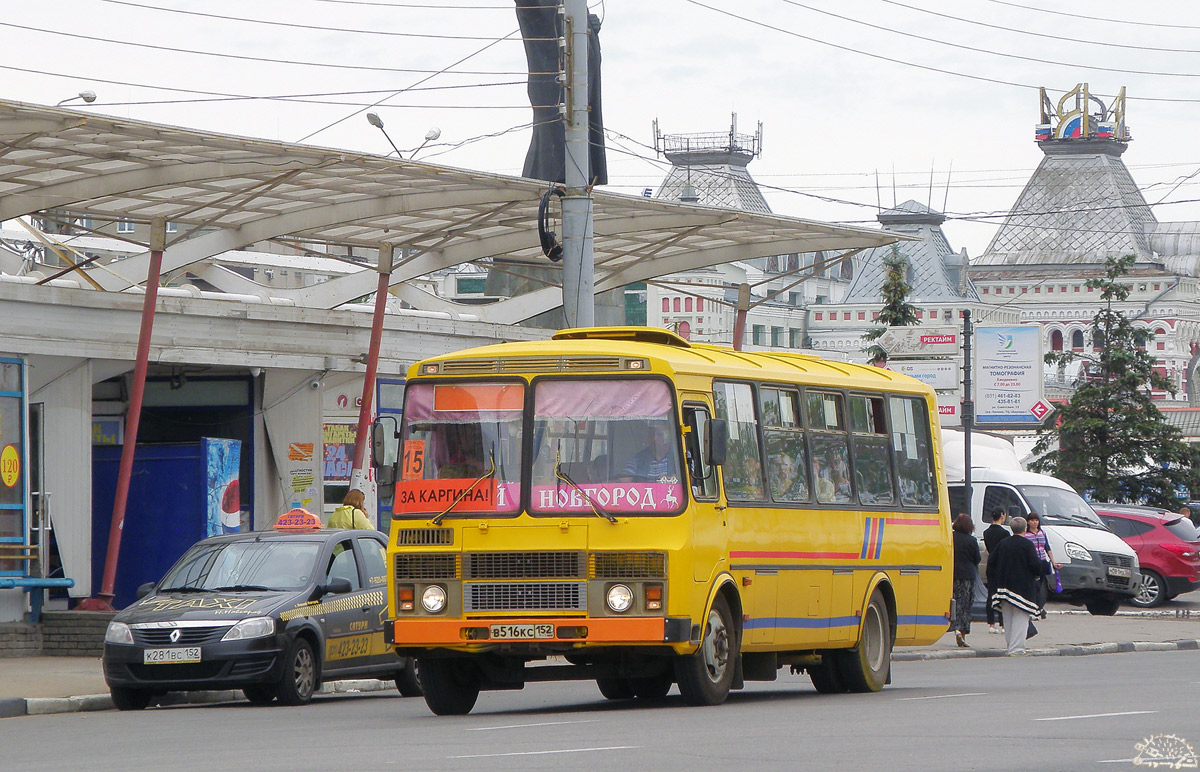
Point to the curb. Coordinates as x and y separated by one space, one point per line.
43 706
1079 650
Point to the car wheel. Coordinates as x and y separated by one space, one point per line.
259 694
299 674
129 699
706 676
1153 591
451 686
408 684
616 688
865 668
1102 607
825 677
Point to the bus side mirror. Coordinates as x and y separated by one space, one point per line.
385 452
718 441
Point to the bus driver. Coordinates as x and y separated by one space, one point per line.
653 461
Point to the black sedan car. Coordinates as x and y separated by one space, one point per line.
273 613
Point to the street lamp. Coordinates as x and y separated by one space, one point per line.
377 122
88 96
430 136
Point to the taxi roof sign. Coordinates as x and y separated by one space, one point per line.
298 519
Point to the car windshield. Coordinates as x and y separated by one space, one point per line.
272 564
460 448
1061 507
605 446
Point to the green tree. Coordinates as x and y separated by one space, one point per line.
896 311
1110 439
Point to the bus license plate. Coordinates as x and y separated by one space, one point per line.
170 656
1115 571
521 632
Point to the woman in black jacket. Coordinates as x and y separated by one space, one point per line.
966 573
1015 569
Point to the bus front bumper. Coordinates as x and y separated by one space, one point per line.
432 632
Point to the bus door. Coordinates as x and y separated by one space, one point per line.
709 515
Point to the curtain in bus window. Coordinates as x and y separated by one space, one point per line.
912 444
742 473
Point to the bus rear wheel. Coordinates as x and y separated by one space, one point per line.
706 676
450 687
865 667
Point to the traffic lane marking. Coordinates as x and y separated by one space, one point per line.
1097 715
544 753
524 726
942 696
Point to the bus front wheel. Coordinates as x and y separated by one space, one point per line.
450 686
865 667
706 676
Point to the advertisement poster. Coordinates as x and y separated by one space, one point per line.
1008 375
222 461
338 458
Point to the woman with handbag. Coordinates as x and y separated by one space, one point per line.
966 574
1036 535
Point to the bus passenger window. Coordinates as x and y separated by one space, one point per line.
742 472
912 442
787 458
872 457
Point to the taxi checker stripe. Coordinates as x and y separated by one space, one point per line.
334 606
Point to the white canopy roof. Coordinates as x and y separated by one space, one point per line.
225 192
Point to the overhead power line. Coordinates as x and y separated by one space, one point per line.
1094 18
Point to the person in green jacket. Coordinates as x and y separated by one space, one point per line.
350 514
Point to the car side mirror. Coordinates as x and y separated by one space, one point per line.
336 586
718 441
145 590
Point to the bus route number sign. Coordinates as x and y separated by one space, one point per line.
412 466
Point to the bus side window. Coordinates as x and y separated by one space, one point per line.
702 473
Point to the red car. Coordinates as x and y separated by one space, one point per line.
1167 547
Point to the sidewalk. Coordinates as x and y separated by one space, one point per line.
42 685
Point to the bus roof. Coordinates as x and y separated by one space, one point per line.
610 349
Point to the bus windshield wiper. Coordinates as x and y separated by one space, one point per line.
596 508
437 520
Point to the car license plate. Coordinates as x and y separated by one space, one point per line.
170 656
521 632
1115 571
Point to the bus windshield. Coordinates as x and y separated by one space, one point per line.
460 448
608 445
1060 507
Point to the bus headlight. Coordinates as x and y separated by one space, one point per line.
619 598
433 599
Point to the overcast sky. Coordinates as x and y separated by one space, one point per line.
846 89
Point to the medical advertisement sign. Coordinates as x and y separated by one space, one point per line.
1008 375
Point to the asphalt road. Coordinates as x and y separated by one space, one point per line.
1044 713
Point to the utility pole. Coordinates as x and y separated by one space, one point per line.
968 408
579 279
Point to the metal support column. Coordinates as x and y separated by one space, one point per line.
968 408
740 314
103 599
358 475
579 280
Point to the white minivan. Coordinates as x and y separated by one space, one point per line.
1099 570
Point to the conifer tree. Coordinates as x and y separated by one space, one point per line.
1110 440
896 311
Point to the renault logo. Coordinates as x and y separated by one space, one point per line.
175 635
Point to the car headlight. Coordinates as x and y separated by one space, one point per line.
1075 552
118 632
619 598
433 599
254 627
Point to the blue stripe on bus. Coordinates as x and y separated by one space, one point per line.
922 619
879 539
866 540
799 622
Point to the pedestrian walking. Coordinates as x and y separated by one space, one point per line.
1016 570
966 574
1036 535
992 536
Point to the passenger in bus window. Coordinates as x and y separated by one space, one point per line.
787 481
653 461
823 479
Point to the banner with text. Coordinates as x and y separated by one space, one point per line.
1008 375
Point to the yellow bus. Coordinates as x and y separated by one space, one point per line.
621 505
